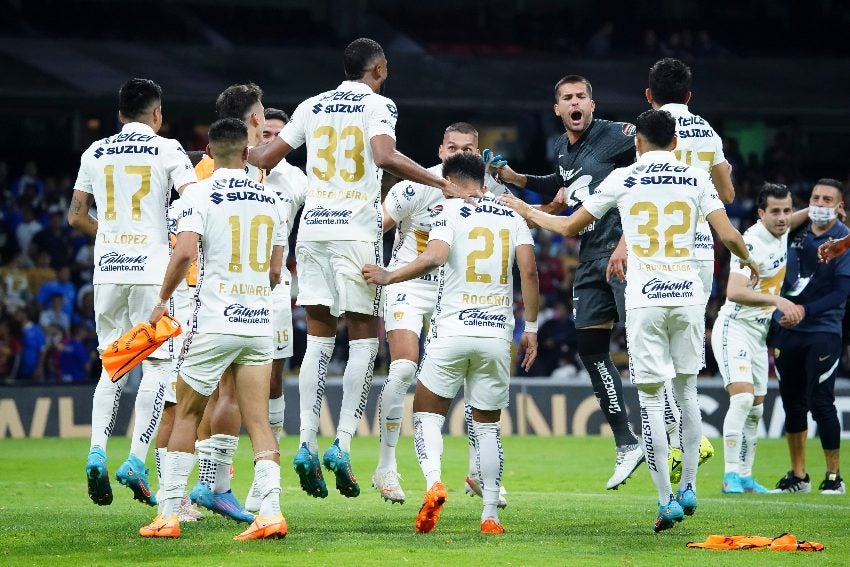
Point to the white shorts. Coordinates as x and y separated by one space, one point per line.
330 273
706 274
664 341
181 308
282 320
117 307
206 356
406 303
741 353
480 364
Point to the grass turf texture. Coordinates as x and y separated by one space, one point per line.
558 514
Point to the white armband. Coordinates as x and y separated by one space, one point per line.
530 327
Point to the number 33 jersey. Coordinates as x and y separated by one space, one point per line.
343 199
475 292
659 200
130 176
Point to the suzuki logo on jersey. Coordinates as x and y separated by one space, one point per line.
484 207
216 198
664 289
479 318
668 180
250 196
117 150
630 182
317 108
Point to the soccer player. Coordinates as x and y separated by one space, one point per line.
659 200
409 206
350 136
231 324
128 177
591 149
740 331
471 331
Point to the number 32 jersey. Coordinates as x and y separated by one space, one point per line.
343 199
659 200
130 176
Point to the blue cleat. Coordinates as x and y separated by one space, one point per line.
134 475
668 515
687 499
732 484
309 470
751 485
223 503
97 477
193 496
338 461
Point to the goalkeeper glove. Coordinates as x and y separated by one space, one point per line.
493 160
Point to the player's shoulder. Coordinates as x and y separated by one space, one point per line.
610 129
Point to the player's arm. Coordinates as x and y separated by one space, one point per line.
567 226
530 287
738 290
798 219
184 253
721 176
389 222
733 240
267 156
433 256
78 213
276 265
617 262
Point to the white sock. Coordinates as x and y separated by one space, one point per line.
655 445
428 440
150 401
177 468
473 446
276 407
311 387
685 388
107 395
391 409
206 467
159 458
267 480
733 427
222 449
750 440
491 461
672 417
356 382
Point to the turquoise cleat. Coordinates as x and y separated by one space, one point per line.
668 515
338 461
222 503
97 477
134 474
687 499
732 484
751 485
309 470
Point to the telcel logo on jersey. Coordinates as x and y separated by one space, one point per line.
479 318
117 262
665 289
238 313
321 215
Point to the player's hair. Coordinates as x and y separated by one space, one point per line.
137 96
829 182
775 190
462 128
236 100
658 127
358 55
276 114
670 81
570 79
228 136
465 166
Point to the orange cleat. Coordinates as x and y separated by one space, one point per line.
161 527
491 526
265 528
429 513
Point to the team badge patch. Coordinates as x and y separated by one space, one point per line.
398 315
629 129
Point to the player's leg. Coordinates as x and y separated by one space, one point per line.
823 364
791 356
750 431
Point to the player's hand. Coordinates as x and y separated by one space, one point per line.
528 343
754 270
617 263
832 249
504 173
376 274
451 190
493 161
789 321
157 313
792 313
515 203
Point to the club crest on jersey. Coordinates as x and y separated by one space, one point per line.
398 315
393 110
629 129
409 192
436 210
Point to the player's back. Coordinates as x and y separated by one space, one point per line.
410 205
697 143
475 289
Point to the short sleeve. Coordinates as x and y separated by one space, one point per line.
735 262
84 181
295 133
400 200
709 200
443 222
281 237
381 118
523 233
719 156
177 164
605 197
193 213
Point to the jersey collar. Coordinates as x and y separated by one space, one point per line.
356 86
138 127
226 173
675 107
655 155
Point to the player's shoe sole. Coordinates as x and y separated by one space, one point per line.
134 475
491 526
429 513
387 483
265 528
339 461
668 515
97 478
161 527
224 504
309 470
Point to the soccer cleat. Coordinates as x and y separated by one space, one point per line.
97 477
429 513
629 458
187 513
491 526
338 461
706 451
224 504
732 484
668 515
265 528
254 498
387 482
751 486
472 487
134 475
832 484
309 470
193 496
161 527
687 499
791 483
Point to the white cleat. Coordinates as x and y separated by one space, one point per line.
187 512
388 484
472 487
254 499
629 459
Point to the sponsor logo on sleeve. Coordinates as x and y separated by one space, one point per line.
629 129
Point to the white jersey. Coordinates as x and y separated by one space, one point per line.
770 253
233 295
290 184
343 183
130 176
698 145
475 293
659 200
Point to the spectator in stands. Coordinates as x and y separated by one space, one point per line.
10 348
75 359
33 347
558 343
62 286
14 281
55 240
600 43
41 272
8 239
28 227
29 184
55 316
